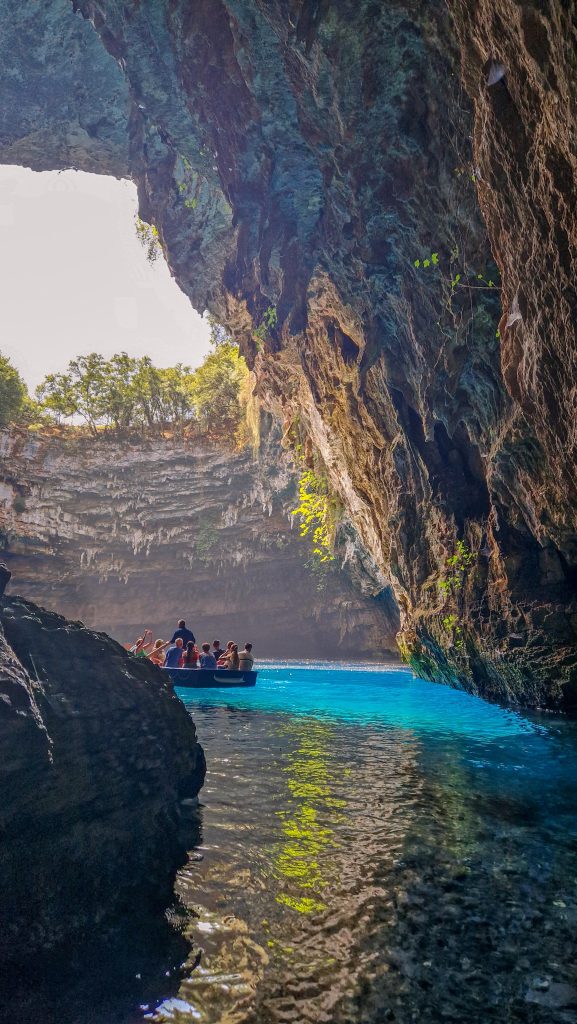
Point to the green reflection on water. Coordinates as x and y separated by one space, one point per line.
311 780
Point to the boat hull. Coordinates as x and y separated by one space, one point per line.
210 678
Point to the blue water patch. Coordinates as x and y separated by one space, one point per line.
367 694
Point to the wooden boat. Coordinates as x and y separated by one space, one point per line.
210 678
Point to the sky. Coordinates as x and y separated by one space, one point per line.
74 278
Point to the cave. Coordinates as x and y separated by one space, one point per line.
377 201
377 240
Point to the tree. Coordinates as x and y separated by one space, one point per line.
215 387
80 392
56 395
218 334
124 393
119 396
13 393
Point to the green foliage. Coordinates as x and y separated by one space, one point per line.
268 322
206 540
13 393
316 511
457 278
124 393
148 237
429 261
188 182
101 392
215 390
457 566
450 624
218 334
460 288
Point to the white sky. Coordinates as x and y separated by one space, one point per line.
74 278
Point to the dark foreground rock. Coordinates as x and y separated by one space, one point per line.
96 754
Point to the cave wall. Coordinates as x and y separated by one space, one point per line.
124 535
323 149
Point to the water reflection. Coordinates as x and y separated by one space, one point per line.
309 821
370 851
395 855
296 819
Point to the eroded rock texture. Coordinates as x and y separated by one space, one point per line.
96 755
299 158
133 534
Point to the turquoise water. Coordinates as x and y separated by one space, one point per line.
364 694
371 848
378 848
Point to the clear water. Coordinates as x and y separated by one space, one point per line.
374 848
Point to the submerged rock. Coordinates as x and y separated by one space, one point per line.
96 753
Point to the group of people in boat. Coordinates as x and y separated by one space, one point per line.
181 651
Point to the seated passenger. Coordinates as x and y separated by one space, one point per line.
156 655
186 635
217 649
207 660
190 657
223 660
232 659
246 660
173 654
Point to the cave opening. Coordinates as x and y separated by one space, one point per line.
120 522
77 280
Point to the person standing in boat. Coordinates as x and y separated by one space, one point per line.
245 659
186 635
207 660
173 654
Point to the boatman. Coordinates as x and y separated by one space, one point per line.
184 634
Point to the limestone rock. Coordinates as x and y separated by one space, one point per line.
324 150
125 535
96 753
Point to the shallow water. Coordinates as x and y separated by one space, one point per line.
375 847
372 848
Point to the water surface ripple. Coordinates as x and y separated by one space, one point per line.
378 848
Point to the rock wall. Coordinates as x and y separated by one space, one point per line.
321 151
142 533
96 755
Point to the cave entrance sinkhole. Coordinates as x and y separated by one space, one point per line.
76 279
